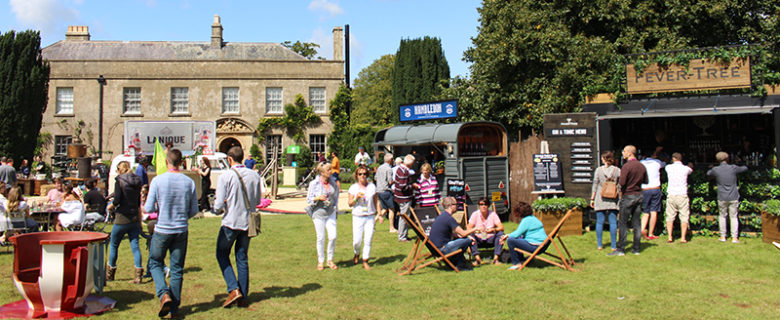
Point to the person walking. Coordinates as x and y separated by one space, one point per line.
605 207
725 175
238 193
651 195
384 182
8 173
323 198
127 219
172 195
205 183
364 203
335 168
632 176
677 196
403 192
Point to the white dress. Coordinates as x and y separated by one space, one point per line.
73 215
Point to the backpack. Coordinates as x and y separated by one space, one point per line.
609 189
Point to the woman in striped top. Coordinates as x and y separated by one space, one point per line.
428 194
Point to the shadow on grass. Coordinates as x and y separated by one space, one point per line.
381 261
254 297
125 299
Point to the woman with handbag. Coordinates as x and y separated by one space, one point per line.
605 197
322 199
127 219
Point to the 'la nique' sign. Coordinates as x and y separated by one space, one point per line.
699 75
429 110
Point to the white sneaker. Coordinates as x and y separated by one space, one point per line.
167 273
777 244
734 240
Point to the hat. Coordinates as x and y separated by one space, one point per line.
361 148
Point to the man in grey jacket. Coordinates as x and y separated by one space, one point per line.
233 198
728 194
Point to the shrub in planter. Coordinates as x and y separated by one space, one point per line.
770 220
551 210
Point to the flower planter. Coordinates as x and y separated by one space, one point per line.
572 226
770 227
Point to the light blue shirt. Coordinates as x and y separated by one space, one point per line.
531 229
172 195
230 196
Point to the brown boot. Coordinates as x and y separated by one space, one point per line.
139 273
110 273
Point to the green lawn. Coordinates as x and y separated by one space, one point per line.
702 279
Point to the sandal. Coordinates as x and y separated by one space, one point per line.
332 265
356 259
670 241
320 267
365 265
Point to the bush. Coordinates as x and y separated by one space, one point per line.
558 204
771 207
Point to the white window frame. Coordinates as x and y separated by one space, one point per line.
270 141
324 144
317 99
180 100
230 100
131 100
64 100
274 100
61 144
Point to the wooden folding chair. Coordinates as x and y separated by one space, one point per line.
562 261
417 259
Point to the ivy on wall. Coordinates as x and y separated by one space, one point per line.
297 117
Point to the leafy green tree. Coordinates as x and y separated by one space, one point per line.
372 93
535 57
307 49
419 72
24 85
345 137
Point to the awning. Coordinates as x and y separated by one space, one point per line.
685 107
423 133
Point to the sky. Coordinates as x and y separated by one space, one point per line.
376 26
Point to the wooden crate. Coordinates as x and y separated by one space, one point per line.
770 227
572 226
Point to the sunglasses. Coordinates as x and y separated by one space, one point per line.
363 174
483 204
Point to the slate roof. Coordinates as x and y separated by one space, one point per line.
166 50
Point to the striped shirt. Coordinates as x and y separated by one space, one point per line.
428 194
402 188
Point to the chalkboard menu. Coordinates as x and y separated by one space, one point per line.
456 188
548 173
426 216
573 137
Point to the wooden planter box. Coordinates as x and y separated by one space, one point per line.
770 227
572 226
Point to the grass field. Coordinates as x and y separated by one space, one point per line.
701 279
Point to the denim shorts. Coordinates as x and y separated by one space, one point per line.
386 200
335 176
651 200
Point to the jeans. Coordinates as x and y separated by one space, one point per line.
612 226
176 243
403 230
117 233
225 242
362 233
492 241
522 244
322 225
461 243
630 205
730 208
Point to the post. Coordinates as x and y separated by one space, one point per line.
102 82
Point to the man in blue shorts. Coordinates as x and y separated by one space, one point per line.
384 181
651 195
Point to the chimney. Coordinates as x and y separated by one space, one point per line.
77 33
216 33
338 43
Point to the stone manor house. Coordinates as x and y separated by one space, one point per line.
234 84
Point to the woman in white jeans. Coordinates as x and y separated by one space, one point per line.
363 199
323 198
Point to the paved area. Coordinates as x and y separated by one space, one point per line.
294 202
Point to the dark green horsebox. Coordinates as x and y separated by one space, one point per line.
475 152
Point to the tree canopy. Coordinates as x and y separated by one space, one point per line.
535 57
420 72
346 137
372 93
307 49
24 86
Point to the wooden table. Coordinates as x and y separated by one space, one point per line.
43 216
26 185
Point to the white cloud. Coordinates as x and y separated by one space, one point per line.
331 8
44 15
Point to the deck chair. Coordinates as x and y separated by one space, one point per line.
562 261
417 259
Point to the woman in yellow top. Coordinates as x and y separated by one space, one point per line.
335 168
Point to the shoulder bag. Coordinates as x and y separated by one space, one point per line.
609 189
255 220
